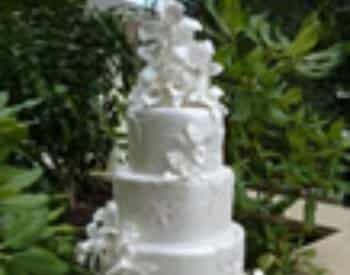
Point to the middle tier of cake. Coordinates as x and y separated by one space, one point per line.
175 210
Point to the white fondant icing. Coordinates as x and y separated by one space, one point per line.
178 210
162 139
220 254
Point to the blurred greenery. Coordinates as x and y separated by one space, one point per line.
68 59
33 240
279 141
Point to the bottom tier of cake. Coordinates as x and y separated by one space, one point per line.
220 255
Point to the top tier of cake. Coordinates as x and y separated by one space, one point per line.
175 141
175 116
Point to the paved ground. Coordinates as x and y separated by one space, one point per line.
333 252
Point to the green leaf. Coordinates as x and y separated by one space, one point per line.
10 111
346 47
224 55
293 96
243 108
7 172
23 229
296 141
278 116
232 13
4 152
267 261
40 261
25 201
64 229
3 99
320 64
21 180
11 132
219 22
336 129
55 214
307 38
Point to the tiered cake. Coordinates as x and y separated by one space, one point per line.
172 214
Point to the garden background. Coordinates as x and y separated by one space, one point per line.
64 78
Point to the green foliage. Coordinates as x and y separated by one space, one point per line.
31 239
277 142
70 64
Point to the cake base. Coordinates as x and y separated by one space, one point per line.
220 255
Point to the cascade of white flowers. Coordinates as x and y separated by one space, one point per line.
107 250
178 67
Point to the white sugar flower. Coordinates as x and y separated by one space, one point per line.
175 97
170 12
109 242
185 162
97 250
196 137
196 56
190 25
258 272
195 134
180 164
148 53
178 68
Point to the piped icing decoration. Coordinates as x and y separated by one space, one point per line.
178 67
108 248
186 163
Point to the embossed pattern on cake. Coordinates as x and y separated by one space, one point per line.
173 199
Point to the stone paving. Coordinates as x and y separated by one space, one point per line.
333 252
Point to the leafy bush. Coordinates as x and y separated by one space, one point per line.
69 62
277 142
31 239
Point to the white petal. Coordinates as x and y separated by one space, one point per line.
149 74
151 30
196 56
99 215
216 92
258 272
191 24
112 207
92 230
182 52
81 259
150 100
176 96
179 163
207 47
199 155
170 11
195 134
148 53
215 69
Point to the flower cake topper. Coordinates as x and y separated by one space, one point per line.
178 67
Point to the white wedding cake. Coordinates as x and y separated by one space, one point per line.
173 200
